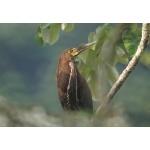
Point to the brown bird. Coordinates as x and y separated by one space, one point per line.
73 90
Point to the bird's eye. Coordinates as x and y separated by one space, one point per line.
71 51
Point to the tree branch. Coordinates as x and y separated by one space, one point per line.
131 65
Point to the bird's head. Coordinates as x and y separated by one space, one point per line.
75 51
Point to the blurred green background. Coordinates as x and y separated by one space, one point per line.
27 71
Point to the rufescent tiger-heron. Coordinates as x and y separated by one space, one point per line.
73 90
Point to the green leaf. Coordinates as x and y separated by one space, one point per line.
54 33
101 35
91 37
49 32
44 33
45 25
111 73
131 39
84 70
67 26
131 46
96 83
83 56
136 30
38 36
100 38
121 56
91 59
51 35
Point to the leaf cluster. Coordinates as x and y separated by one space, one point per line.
49 33
115 44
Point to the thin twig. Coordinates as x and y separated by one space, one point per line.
131 65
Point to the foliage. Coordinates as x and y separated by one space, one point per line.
28 71
49 33
115 44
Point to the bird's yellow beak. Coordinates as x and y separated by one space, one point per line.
75 51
